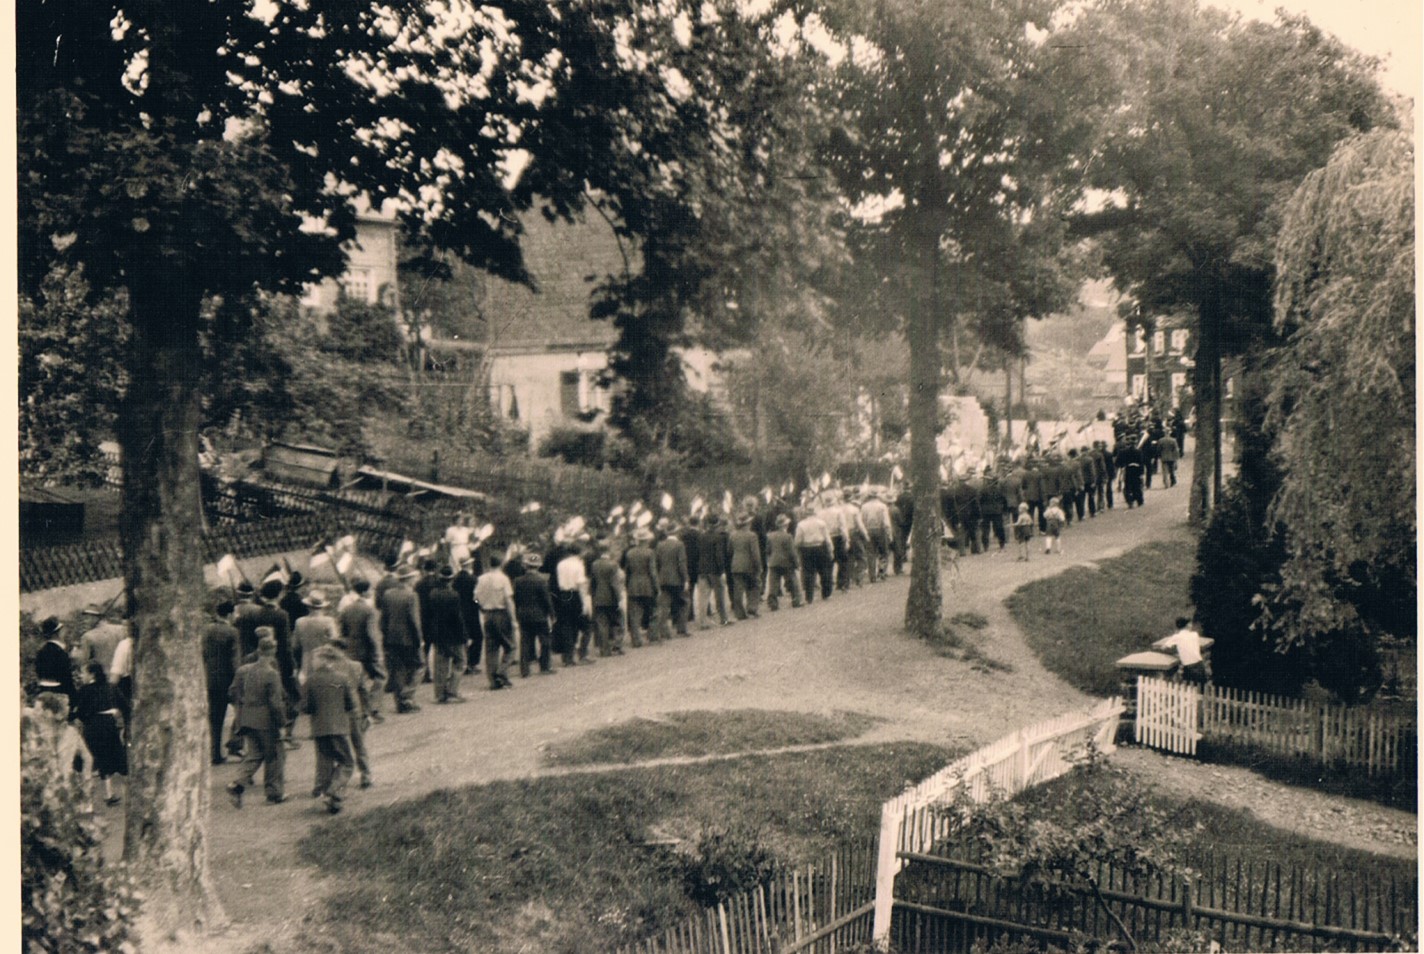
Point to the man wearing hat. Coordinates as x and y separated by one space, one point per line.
875 516
429 579
220 664
313 631
606 596
446 635
745 565
464 586
330 700
292 602
495 594
400 638
640 568
269 614
261 706
98 644
572 606
814 553
361 715
54 671
670 557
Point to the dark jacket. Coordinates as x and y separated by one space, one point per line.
330 699
692 544
220 658
256 693
357 623
745 556
400 620
711 553
52 665
603 582
532 599
442 611
640 564
672 562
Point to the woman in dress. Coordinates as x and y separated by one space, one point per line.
97 709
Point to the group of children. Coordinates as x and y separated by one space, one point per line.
1024 526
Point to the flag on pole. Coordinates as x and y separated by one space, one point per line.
644 519
274 572
825 480
696 507
318 559
767 493
788 488
615 513
667 502
896 473
346 544
407 547
532 506
345 562
727 501
636 509
484 533
227 566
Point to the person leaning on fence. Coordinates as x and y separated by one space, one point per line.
1187 642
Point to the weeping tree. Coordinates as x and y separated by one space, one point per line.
1342 393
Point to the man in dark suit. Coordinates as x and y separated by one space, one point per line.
330 700
261 711
446 636
744 565
423 586
464 586
220 662
534 609
673 578
268 613
400 636
711 573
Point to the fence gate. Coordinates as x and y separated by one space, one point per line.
1168 715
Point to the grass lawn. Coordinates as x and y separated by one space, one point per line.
582 862
1083 620
706 733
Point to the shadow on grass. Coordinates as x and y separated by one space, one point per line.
1400 791
583 862
707 732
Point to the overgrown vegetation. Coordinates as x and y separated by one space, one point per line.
587 862
1083 620
704 732
71 901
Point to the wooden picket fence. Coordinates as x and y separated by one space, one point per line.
1174 716
948 899
816 909
915 820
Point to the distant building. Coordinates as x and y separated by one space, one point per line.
1159 363
1109 357
371 267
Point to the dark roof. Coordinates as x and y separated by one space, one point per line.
561 257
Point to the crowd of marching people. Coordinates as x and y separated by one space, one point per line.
454 608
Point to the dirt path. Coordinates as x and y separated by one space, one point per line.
844 654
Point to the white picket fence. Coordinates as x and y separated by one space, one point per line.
1175 716
1028 757
1168 715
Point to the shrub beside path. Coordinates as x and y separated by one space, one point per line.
848 653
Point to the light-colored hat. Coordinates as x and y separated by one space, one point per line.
316 599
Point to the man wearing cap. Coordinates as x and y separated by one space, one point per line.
446 635
54 670
361 633
745 567
533 610
261 706
640 570
400 638
220 664
98 644
875 516
330 700
572 606
783 565
292 602
429 579
312 632
495 594
269 614
671 558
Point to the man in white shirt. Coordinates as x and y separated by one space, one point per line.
1187 642
121 677
495 595
813 544
875 517
573 613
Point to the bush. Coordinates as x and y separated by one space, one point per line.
70 900
726 862
575 445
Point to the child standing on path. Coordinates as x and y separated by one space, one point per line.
1055 518
1023 531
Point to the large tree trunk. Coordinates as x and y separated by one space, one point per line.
165 834
1206 383
924 607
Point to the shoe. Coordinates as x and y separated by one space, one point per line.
585 661
234 792
548 672
333 805
112 800
219 761
408 707
316 793
377 718
291 744
503 681
366 783
276 799
235 748
455 700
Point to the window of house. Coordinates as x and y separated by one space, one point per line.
357 285
569 403
1159 341
1179 339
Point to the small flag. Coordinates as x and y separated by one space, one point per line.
667 502
345 562
532 506
618 527
727 501
788 488
227 565
697 506
636 509
644 518
825 479
484 533
346 544
318 559
615 513
407 547
896 473
274 572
